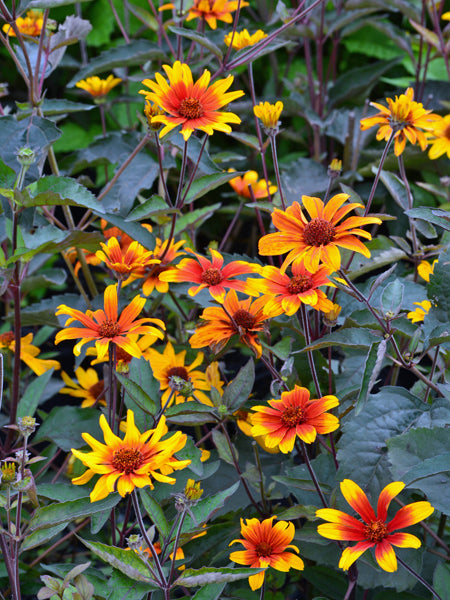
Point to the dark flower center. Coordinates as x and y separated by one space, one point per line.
127 460
191 108
376 531
122 355
263 549
212 276
447 132
178 372
7 338
319 232
292 417
97 390
109 329
244 319
299 284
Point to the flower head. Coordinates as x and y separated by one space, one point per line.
260 188
212 11
425 269
127 264
242 39
375 531
166 256
152 110
439 138
330 317
105 326
123 358
97 87
269 115
405 118
294 415
208 274
89 387
418 315
245 423
317 240
191 105
31 24
265 546
245 318
28 353
132 461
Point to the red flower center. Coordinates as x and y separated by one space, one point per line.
447 132
212 276
122 355
178 372
263 549
376 531
244 319
292 417
7 338
97 390
127 460
318 232
191 108
299 284
109 329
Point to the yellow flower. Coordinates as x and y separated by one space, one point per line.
446 16
97 87
28 353
418 314
29 25
330 317
269 114
193 491
250 179
439 138
425 269
242 39
89 387
152 110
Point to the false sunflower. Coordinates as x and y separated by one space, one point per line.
105 326
269 114
375 531
191 105
243 39
319 239
439 138
212 11
294 415
31 24
418 314
132 461
266 545
89 387
127 264
28 352
425 269
166 253
97 87
260 188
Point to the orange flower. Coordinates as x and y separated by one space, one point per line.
131 462
316 240
250 179
209 274
439 138
294 415
242 39
152 273
97 87
374 531
265 546
191 105
244 318
31 24
212 11
90 387
122 357
104 326
28 353
405 117
127 264
286 294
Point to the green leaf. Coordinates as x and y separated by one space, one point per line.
137 394
210 591
124 588
304 174
62 492
7 177
200 38
207 183
155 512
126 561
372 367
58 191
64 512
441 581
192 413
32 395
207 508
54 107
221 443
134 230
51 3
395 187
439 288
154 206
144 16
351 337
248 140
238 391
206 575
195 217
41 536
392 298
65 424
431 215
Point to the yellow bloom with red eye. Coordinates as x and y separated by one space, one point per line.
97 87
294 415
266 545
245 318
243 39
404 117
319 239
106 326
28 353
31 24
425 269
212 11
89 387
439 138
191 105
418 315
127 264
374 531
166 253
133 461
285 294
269 114
260 188
208 274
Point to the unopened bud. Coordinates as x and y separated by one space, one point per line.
192 491
27 425
26 156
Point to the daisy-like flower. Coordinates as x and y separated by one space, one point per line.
265 546
31 24
132 461
169 364
425 269
89 387
245 318
152 110
242 39
97 87
418 315
105 326
439 138
294 415
209 274
212 11
375 531
317 240
191 105
152 273
269 114
286 294
245 423
403 116
330 317
123 359
28 352
250 179
127 264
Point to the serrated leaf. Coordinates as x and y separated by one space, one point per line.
238 391
200 38
207 183
206 575
41 536
58 191
137 394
